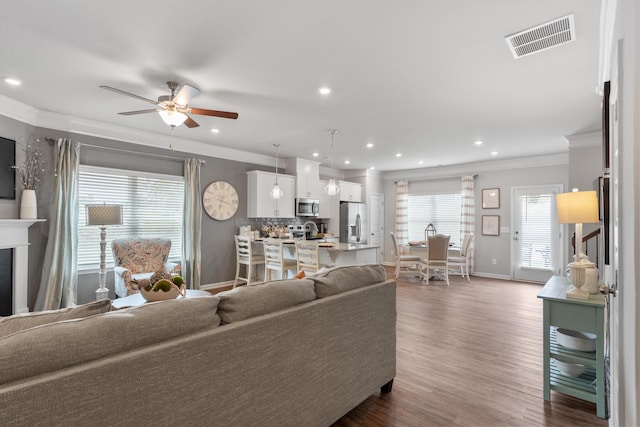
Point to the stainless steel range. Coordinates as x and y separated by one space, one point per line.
297 231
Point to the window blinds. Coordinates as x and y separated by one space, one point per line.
442 210
535 236
152 206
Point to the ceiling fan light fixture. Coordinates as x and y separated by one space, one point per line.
172 118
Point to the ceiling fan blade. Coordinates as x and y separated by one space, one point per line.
131 113
122 92
214 113
190 123
186 94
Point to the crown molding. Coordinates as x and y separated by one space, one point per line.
56 121
18 111
474 168
585 139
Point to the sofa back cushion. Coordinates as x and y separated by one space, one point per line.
141 255
19 322
59 345
245 302
336 280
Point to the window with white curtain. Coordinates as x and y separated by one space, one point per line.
535 237
152 206
441 210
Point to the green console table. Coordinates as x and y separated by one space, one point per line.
580 315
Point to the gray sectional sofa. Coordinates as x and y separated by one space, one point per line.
284 353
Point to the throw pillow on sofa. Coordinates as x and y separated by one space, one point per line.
20 322
345 278
245 302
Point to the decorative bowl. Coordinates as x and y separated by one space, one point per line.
570 369
160 295
576 340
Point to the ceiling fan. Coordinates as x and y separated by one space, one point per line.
174 108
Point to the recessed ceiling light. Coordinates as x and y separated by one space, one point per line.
398 154
11 81
478 142
316 154
369 144
420 162
494 153
372 167
324 90
346 162
215 130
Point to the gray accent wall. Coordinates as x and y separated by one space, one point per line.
218 251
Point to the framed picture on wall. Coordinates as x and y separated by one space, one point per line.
7 174
490 198
490 225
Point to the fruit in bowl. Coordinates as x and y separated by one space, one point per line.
163 289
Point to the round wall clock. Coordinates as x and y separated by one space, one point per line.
220 200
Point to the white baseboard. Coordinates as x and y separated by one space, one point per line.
491 276
216 285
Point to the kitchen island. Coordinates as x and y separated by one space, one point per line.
333 253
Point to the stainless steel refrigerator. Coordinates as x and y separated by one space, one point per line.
354 222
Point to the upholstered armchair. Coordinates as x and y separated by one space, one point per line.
137 259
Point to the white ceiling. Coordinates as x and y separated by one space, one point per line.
419 77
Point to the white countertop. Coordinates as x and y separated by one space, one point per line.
332 246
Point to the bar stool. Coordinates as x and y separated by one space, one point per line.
308 256
275 260
245 255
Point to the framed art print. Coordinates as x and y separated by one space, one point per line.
490 198
490 225
7 174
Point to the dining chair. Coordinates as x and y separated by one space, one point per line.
463 261
403 261
275 260
246 256
308 256
437 259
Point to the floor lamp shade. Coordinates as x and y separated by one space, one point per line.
104 214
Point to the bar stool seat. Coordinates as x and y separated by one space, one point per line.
246 256
275 260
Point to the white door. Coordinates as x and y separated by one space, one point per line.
611 270
376 223
536 250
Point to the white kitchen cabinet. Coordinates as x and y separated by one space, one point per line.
350 191
307 175
259 202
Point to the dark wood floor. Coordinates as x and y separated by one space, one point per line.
469 355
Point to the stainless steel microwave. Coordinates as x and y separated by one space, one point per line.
307 207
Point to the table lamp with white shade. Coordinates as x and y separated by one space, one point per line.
579 207
103 215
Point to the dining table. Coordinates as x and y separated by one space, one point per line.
421 248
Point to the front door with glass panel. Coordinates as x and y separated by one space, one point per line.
536 240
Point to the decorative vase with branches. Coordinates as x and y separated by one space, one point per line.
30 173
32 169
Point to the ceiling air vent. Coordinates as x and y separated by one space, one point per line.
542 37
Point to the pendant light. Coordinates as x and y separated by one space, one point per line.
332 188
276 192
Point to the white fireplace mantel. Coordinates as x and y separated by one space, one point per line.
14 234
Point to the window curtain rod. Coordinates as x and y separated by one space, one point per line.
122 150
444 178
